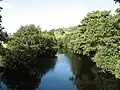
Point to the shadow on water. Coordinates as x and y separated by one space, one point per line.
17 80
88 77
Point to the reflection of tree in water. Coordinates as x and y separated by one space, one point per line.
17 80
88 77
106 81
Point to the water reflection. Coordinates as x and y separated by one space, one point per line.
88 77
17 80
85 76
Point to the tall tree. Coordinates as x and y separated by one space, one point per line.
3 35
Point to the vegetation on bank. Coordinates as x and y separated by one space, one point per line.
97 36
26 45
31 40
23 49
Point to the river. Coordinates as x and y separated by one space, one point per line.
66 72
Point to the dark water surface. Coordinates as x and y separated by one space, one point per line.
66 72
58 78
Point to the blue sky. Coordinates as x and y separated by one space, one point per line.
49 13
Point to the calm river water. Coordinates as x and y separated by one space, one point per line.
66 72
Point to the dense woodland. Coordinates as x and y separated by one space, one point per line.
24 48
97 36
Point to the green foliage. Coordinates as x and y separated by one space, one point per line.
3 35
27 80
108 58
98 36
3 38
31 40
26 45
83 67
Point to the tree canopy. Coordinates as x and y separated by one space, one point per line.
97 36
26 45
3 36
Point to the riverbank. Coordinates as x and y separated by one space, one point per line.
67 72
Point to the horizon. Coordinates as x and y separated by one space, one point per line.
49 14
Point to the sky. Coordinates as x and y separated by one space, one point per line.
49 14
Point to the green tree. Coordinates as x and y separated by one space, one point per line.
3 36
27 44
31 40
98 36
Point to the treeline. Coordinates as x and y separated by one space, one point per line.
3 35
97 36
26 55
26 47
